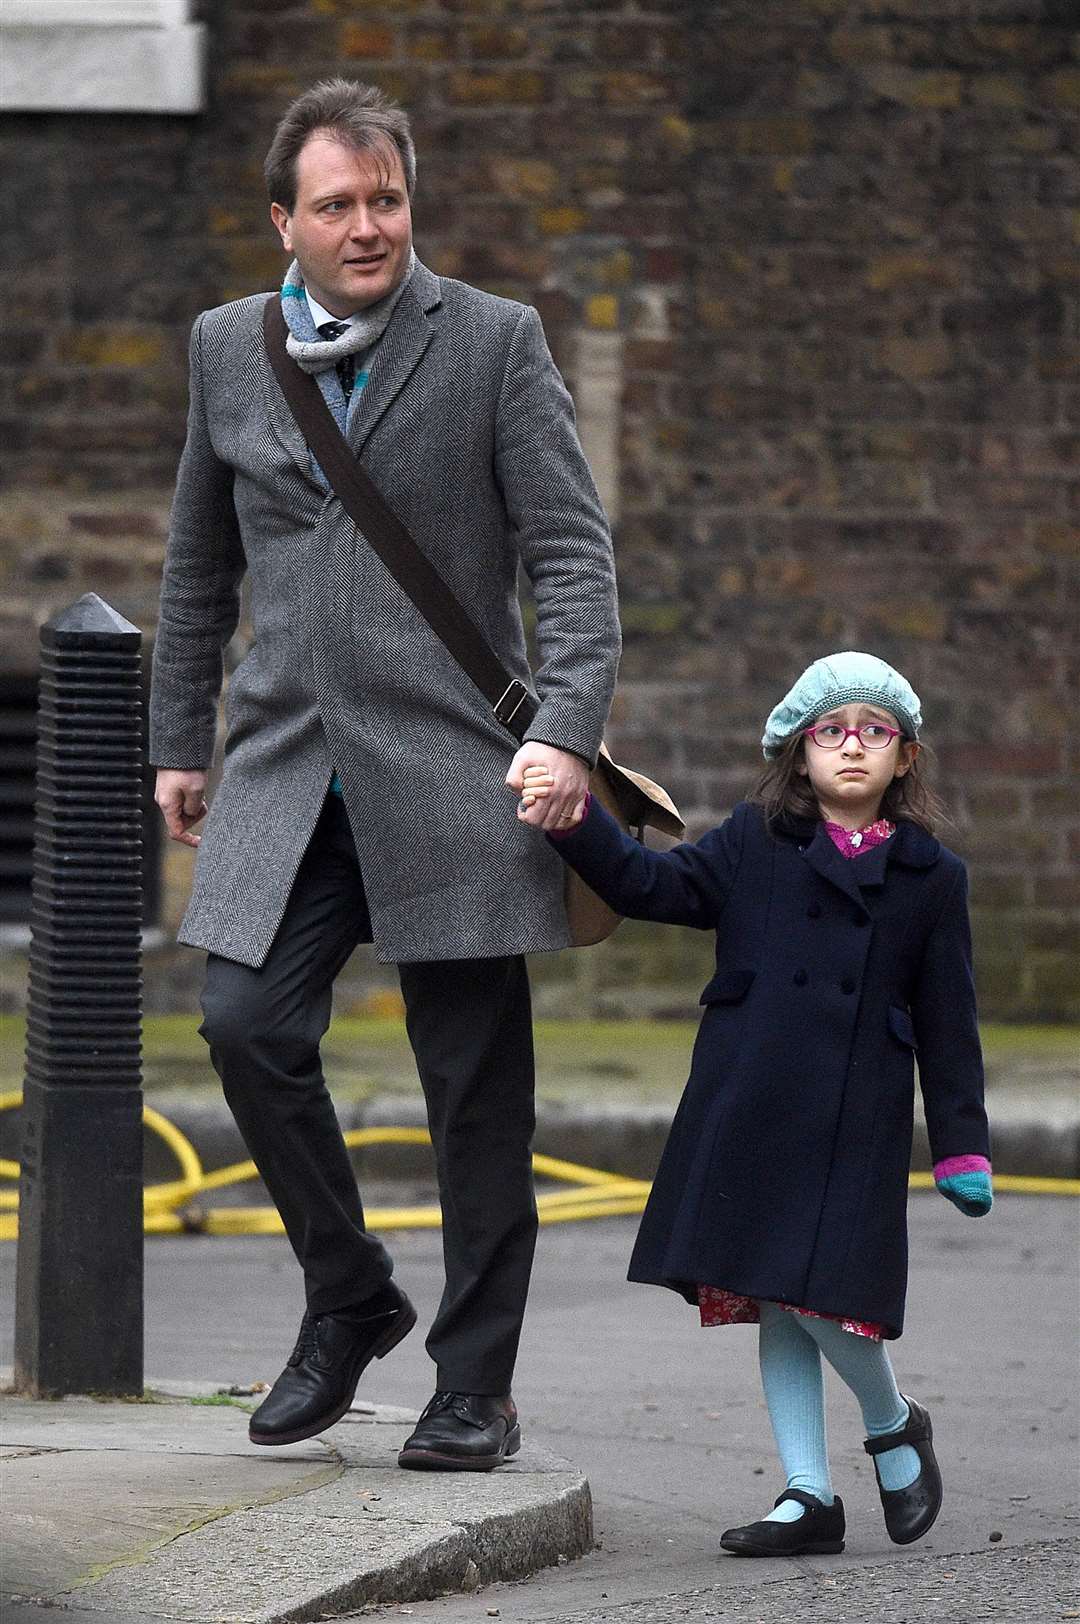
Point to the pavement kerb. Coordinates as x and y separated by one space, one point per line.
1036 1132
347 1529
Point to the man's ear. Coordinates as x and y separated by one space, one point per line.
281 220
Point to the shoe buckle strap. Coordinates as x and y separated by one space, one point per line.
803 1498
914 1431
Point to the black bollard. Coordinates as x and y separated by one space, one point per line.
79 1282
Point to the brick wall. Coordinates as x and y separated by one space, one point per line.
811 270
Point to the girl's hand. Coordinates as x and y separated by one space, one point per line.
551 786
972 1192
537 784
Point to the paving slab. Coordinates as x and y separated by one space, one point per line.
164 1509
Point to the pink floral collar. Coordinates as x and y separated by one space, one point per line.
851 843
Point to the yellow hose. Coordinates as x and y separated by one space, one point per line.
173 1208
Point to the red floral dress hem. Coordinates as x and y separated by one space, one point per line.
719 1306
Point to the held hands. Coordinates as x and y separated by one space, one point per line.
181 797
552 785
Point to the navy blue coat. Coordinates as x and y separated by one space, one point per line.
785 1173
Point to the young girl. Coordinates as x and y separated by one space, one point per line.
842 951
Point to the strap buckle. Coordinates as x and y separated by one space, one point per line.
510 702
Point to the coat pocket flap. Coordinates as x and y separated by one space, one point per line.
728 986
900 1026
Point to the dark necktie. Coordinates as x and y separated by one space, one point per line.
346 367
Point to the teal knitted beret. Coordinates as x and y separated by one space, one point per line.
841 679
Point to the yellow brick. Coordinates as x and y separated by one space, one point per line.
602 310
676 133
938 89
222 223
430 47
498 42
111 347
916 359
561 222
890 271
934 90
925 620
1033 138
368 43
252 78
530 178
762 137
1062 88
616 270
631 89
890 444
715 314
998 90
783 176
514 87
854 46
348 8
673 435
1057 536
260 263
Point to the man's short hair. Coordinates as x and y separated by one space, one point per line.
359 116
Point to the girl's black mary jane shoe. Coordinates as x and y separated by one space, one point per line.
910 1512
818 1532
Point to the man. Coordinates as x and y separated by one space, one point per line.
363 796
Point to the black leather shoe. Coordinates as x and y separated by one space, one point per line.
818 1532
910 1512
463 1432
318 1383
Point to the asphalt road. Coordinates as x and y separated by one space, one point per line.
668 1423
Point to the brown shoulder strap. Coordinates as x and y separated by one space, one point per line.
385 534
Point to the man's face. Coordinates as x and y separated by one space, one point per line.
351 228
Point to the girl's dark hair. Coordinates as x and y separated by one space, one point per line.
359 116
783 791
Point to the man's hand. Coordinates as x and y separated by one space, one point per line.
182 799
565 782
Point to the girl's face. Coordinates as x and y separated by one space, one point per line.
850 780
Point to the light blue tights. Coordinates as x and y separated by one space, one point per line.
789 1350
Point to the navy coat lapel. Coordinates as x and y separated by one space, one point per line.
398 354
826 860
910 845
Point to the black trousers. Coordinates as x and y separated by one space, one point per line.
470 1025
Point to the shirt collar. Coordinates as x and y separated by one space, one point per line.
320 315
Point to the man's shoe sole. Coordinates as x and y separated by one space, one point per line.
394 1334
430 1460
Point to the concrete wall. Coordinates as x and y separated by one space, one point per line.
811 271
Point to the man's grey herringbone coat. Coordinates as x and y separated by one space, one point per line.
467 428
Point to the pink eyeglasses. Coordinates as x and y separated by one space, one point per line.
871 735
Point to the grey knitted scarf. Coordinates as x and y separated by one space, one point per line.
315 354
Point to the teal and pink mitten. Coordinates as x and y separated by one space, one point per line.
966 1181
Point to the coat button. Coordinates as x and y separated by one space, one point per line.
861 919
800 978
814 911
847 985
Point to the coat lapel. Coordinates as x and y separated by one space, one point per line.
398 354
279 416
826 860
910 845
